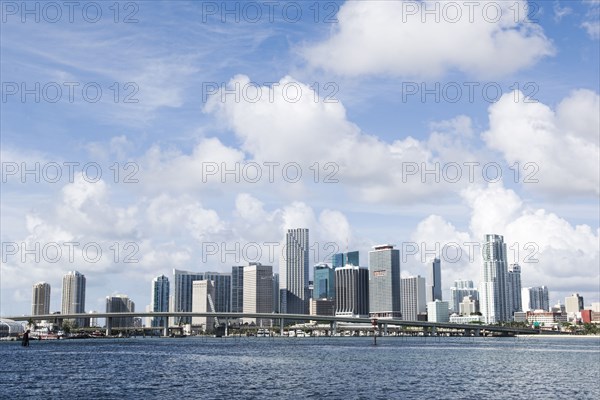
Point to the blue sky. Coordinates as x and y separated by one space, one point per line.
369 132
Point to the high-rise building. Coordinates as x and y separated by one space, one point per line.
182 296
352 291
203 295
237 288
160 299
435 281
324 282
293 281
438 311
458 292
343 259
535 298
222 295
276 301
258 292
384 282
573 304
73 297
118 304
514 288
493 292
414 298
40 299
469 305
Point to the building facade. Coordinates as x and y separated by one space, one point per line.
203 295
182 293
222 296
535 298
73 297
438 311
342 259
293 279
258 292
514 288
118 304
434 285
493 290
414 297
237 288
384 282
40 299
352 291
461 289
324 282
160 299
573 304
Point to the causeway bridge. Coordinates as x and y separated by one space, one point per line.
381 323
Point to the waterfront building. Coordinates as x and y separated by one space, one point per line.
514 288
73 297
324 282
203 295
414 297
352 291
237 288
182 296
40 299
438 311
545 318
160 299
434 287
258 292
294 291
494 299
535 298
465 319
468 306
222 296
322 307
118 304
573 303
458 292
384 282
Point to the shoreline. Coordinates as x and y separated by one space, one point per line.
559 336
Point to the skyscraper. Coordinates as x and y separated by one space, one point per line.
203 294
160 299
435 281
573 304
343 259
458 292
414 299
40 299
535 298
384 282
222 295
293 282
276 301
494 299
237 288
352 291
182 296
324 282
258 292
73 296
118 304
514 288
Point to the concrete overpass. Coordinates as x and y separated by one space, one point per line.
333 320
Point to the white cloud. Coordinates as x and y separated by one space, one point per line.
383 37
591 22
563 144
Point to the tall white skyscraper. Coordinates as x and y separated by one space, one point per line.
414 299
73 296
40 299
494 299
384 282
434 285
535 298
514 288
293 273
160 299
258 292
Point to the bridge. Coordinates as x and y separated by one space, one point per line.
381 323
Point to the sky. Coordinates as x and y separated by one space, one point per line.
139 137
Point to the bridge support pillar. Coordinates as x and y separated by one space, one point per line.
477 332
433 330
226 327
385 329
333 328
166 327
467 332
108 326
281 327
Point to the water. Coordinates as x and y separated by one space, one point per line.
298 368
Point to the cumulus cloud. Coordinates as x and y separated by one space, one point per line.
397 38
563 144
